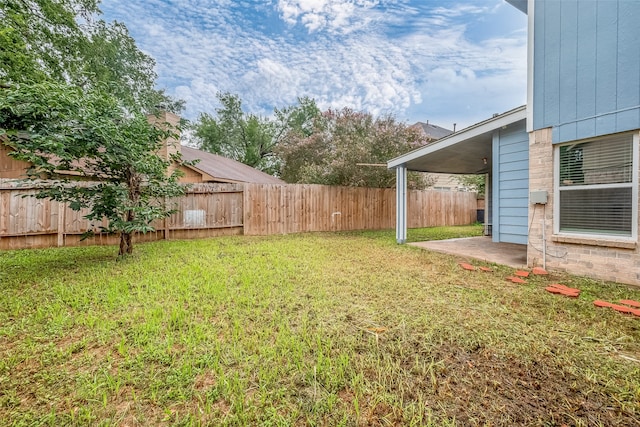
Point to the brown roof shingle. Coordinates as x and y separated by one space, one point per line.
225 169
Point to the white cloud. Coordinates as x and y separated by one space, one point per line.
460 10
385 56
339 16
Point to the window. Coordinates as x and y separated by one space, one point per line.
597 186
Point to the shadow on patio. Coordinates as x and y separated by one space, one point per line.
480 248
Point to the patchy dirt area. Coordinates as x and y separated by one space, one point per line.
482 388
479 388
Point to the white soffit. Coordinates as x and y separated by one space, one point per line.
473 131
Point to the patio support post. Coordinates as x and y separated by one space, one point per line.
401 204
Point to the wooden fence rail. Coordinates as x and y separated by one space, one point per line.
209 210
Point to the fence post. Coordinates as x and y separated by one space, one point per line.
61 221
165 231
244 207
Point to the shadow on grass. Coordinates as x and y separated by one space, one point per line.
33 265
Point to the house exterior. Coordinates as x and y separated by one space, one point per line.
209 168
564 168
10 168
497 147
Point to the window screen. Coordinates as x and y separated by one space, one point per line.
595 186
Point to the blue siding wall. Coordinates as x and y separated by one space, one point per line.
586 73
510 184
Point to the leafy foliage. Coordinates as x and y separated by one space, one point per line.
341 146
74 90
232 133
249 138
63 41
475 182
297 119
41 38
62 130
302 144
109 55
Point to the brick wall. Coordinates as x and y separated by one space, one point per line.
605 259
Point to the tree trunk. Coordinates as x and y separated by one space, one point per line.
126 244
133 183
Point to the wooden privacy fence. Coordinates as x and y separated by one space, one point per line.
209 210
281 209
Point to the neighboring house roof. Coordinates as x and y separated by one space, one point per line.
431 131
224 169
210 168
467 151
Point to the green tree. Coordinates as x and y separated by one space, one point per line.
241 136
475 182
249 138
298 119
57 127
343 147
110 56
41 38
63 41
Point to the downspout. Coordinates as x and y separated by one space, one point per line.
544 237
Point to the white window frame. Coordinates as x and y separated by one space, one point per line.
634 194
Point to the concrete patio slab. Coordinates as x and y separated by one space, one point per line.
480 248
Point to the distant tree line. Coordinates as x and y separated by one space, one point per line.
302 144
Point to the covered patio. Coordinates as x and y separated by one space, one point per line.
498 148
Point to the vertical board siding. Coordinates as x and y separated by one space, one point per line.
568 90
551 63
628 91
539 65
586 62
586 67
9 167
209 210
511 184
606 52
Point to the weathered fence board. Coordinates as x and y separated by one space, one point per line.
26 222
208 206
278 209
439 208
209 210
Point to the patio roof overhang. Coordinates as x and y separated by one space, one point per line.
467 151
522 5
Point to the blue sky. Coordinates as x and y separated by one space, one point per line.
446 61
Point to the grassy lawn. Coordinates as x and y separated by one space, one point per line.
312 329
